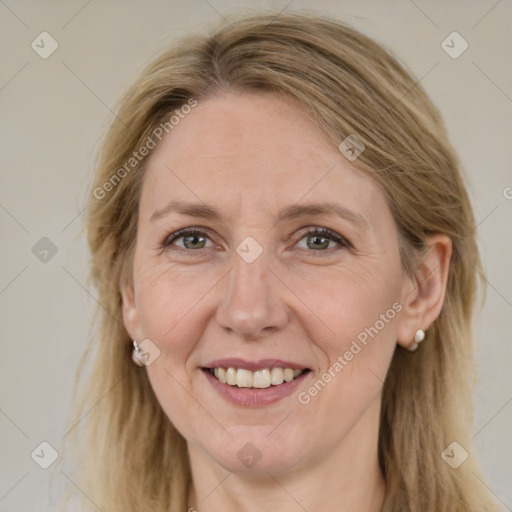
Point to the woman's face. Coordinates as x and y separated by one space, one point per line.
251 288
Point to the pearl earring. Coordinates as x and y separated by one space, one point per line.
418 338
136 353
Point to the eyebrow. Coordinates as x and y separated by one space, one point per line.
204 211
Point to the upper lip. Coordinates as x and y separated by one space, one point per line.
234 362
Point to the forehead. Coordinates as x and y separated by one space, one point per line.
256 152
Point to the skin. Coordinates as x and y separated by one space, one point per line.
250 156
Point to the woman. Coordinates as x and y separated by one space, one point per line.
285 259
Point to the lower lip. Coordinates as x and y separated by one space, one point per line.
253 397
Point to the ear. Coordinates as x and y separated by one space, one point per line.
130 312
423 296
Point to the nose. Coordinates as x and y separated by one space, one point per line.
252 306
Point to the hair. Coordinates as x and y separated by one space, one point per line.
131 456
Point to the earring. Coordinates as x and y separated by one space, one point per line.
136 353
418 338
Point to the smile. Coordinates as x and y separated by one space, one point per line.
259 379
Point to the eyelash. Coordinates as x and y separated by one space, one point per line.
324 232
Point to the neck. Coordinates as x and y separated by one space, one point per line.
347 479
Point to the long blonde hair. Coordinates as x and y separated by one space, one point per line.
131 457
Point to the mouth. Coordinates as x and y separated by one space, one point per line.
255 383
263 378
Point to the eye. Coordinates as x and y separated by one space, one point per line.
320 239
192 239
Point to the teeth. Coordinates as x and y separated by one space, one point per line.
288 375
231 376
276 376
243 378
259 379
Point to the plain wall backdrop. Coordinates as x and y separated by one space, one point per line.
53 111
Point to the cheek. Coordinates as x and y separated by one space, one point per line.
351 300
172 390
168 301
361 311
171 315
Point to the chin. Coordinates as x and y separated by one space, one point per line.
251 460
254 451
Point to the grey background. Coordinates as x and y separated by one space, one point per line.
53 112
